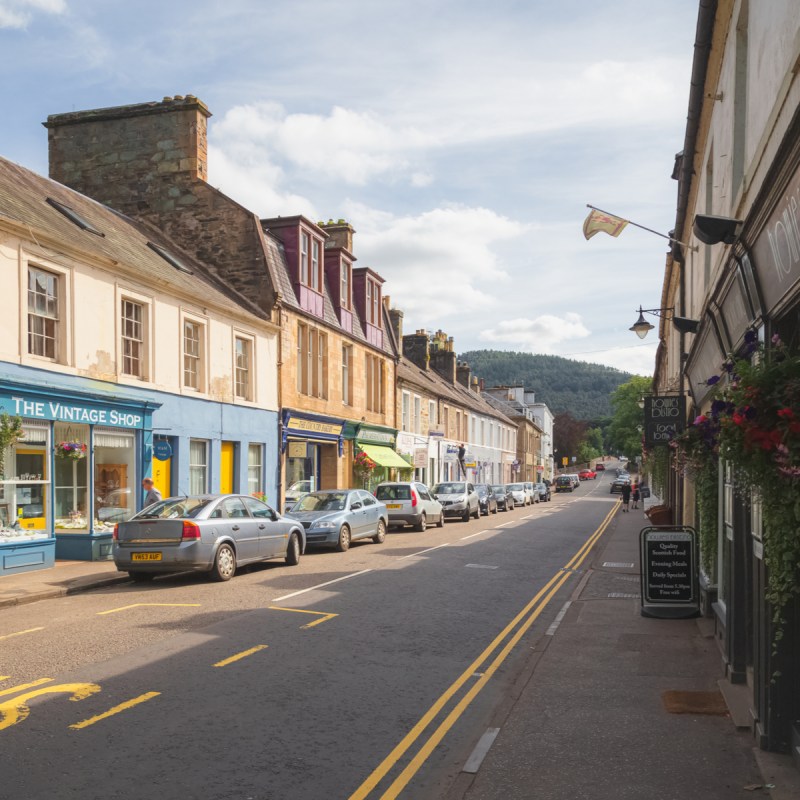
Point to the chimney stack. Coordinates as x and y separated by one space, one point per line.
396 319
416 348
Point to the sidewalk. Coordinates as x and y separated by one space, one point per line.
66 577
587 720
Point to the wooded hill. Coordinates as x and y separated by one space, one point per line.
577 387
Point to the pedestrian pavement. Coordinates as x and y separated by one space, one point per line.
586 719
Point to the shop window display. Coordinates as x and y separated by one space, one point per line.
114 471
71 474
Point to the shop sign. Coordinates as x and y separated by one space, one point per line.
378 437
297 450
84 413
421 457
314 426
664 418
162 450
669 572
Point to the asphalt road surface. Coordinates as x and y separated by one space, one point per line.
365 674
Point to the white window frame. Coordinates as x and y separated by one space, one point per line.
64 339
123 295
202 355
346 299
249 387
255 468
315 265
432 421
195 466
347 374
406 411
417 414
305 243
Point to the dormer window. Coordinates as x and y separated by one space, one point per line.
373 303
346 296
316 277
305 243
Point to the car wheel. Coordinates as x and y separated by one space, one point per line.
380 536
293 551
344 539
224 564
512 506
466 515
495 509
440 523
141 577
422 524
478 513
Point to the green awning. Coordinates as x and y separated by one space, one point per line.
385 456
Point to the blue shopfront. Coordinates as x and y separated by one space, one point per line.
72 471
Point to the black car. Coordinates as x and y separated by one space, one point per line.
504 498
486 499
544 491
616 486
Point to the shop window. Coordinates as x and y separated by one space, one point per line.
114 477
43 313
193 355
71 478
255 468
133 338
198 466
243 368
23 490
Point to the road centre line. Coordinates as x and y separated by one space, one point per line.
21 633
324 614
139 605
240 656
429 550
321 585
142 698
473 535
534 608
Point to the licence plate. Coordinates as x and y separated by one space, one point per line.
146 557
394 505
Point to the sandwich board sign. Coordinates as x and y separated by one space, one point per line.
669 572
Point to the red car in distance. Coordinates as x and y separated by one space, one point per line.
587 474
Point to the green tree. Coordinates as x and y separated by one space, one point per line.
624 436
592 446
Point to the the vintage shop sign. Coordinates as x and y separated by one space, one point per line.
70 412
314 426
664 418
776 252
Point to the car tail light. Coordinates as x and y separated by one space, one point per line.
115 535
414 499
190 530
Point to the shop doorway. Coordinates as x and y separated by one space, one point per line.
302 466
162 476
226 467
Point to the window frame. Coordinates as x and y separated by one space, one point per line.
249 388
347 374
255 471
346 285
194 466
312 361
200 358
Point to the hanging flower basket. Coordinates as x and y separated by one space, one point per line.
363 466
76 451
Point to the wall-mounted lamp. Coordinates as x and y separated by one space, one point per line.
640 402
642 327
713 230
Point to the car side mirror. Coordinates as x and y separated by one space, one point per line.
355 506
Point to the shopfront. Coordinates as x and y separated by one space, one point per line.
378 443
312 445
69 476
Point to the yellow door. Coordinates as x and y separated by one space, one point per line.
226 468
31 498
162 476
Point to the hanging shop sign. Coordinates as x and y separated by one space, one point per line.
371 435
669 576
664 418
162 450
33 407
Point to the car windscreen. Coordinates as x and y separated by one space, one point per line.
499 489
516 487
175 508
563 480
334 501
393 493
450 488
482 489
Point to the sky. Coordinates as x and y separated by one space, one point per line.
462 140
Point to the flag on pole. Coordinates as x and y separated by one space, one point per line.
599 221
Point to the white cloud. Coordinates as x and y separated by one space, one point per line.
19 13
538 335
638 359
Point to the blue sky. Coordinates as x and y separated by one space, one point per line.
462 140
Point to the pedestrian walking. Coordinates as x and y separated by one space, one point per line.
151 494
635 496
626 496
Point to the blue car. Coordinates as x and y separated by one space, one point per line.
336 517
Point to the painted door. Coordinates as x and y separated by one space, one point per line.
162 476
226 468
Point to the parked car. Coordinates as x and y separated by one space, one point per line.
295 492
617 484
336 517
410 503
587 475
576 481
486 499
207 533
504 498
599 467
564 483
459 499
518 493
533 495
543 491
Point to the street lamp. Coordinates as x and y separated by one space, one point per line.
642 327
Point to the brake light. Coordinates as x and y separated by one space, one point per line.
115 535
413 499
191 530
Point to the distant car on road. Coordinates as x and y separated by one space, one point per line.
486 499
458 498
587 475
505 500
599 467
564 483
617 484
543 491
337 517
410 504
206 533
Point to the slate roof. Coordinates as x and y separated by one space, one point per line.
23 200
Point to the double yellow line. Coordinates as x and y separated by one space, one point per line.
522 622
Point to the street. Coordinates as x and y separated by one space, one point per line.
365 674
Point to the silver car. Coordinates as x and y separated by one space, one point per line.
410 504
459 499
336 517
533 494
205 533
519 493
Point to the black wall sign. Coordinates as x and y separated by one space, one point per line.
669 572
664 418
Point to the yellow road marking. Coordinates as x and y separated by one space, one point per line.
546 592
20 633
142 698
139 605
26 686
17 710
243 654
324 614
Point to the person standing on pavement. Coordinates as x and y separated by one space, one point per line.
626 496
151 494
635 495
